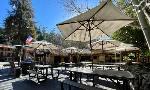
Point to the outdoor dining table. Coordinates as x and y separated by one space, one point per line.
69 65
85 63
124 76
43 69
106 66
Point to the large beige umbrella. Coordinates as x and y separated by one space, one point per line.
105 44
127 47
43 45
70 50
106 18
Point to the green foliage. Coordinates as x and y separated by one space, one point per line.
20 23
131 35
127 8
51 36
3 39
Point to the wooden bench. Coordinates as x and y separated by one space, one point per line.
77 85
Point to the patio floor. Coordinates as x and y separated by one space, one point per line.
7 82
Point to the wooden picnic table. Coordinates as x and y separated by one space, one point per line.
43 69
106 66
124 76
86 63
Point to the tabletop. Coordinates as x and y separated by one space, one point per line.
108 73
42 66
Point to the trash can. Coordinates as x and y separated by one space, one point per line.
17 72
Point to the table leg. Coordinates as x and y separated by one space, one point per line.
80 76
46 73
70 75
103 67
93 80
75 76
52 72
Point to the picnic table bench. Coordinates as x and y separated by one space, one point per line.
76 85
125 76
110 67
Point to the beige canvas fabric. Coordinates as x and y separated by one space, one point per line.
106 18
42 45
105 44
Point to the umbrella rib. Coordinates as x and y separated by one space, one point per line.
100 8
97 24
100 20
83 25
102 31
73 32
85 35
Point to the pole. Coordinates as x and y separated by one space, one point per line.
89 29
120 57
143 23
102 45
91 48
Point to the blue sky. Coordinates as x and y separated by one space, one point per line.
47 12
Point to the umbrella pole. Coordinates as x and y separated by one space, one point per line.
102 45
91 47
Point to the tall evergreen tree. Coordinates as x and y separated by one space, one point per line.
19 24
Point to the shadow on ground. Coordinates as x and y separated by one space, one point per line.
46 85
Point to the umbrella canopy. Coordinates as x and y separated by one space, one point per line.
126 47
106 18
105 44
85 51
42 45
70 50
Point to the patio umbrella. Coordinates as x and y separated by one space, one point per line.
70 50
43 48
106 18
105 45
127 47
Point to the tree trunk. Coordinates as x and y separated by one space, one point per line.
143 22
148 16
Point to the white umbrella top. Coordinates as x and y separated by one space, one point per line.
106 18
70 50
42 45
105 44
127 47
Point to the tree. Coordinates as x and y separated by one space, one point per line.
143 21
131 35
3 39
19 24
77 6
